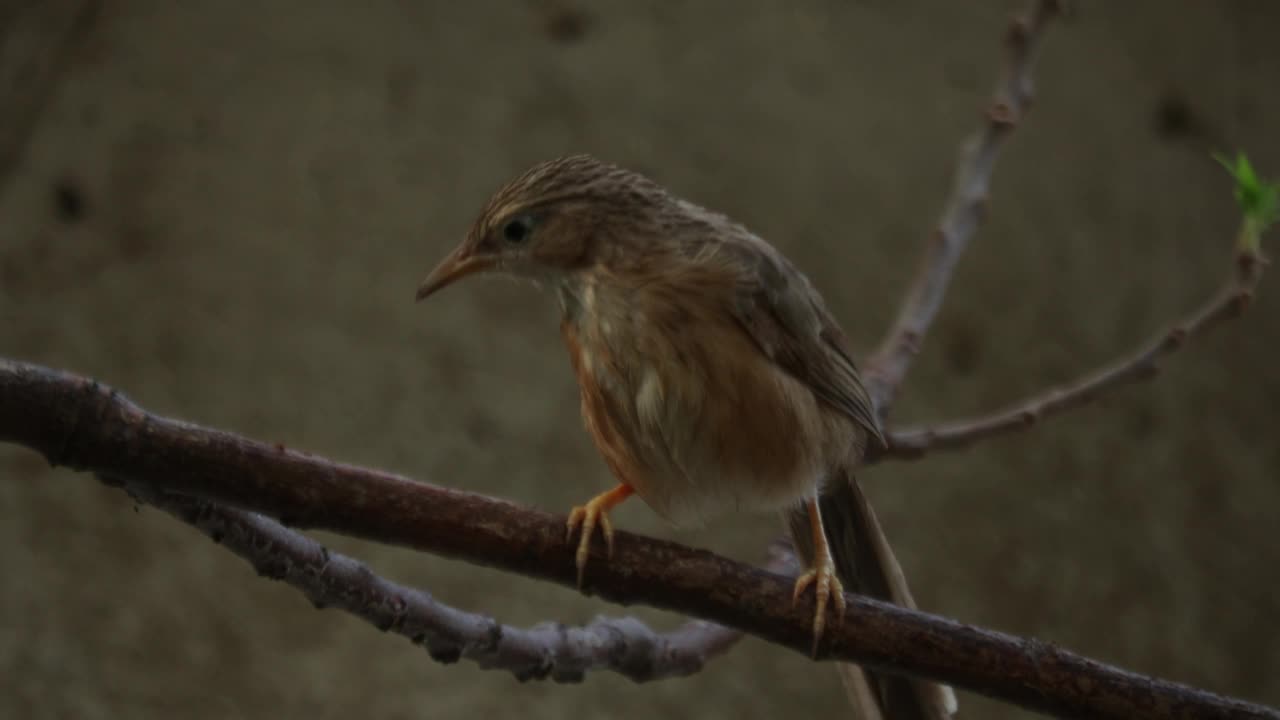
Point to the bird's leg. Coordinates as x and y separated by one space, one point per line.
822 575
587 516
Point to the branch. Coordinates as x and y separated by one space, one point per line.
1142 364
549 650
77 422
888 365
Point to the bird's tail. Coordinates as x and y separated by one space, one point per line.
866 565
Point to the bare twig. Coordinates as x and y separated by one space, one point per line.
1144 363
546 651
888 365
77 422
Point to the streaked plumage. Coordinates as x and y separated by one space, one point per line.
712 376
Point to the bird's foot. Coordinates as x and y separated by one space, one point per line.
587 517
827 588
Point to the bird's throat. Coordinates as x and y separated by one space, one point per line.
588 303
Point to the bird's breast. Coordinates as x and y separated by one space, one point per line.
686 410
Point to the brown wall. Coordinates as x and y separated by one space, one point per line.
223 209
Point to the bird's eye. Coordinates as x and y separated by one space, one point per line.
517 229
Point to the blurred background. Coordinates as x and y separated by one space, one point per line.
223 209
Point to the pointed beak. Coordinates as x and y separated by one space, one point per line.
459 264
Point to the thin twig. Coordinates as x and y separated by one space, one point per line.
1142 364
546 651
77 422
887 366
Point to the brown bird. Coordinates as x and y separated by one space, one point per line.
712 376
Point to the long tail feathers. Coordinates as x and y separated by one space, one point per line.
865 564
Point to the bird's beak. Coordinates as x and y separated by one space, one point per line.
459 264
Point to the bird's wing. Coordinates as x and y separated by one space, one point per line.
786 318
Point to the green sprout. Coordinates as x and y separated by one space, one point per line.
1259 201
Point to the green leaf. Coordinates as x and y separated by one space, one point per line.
1259 200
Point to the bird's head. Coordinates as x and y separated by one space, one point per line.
558 217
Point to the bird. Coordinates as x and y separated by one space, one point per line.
712 376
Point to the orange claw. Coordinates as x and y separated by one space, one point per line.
594 512
823 576
827 588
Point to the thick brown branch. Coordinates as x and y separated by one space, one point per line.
1142 364
77 422
549 650
887 367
